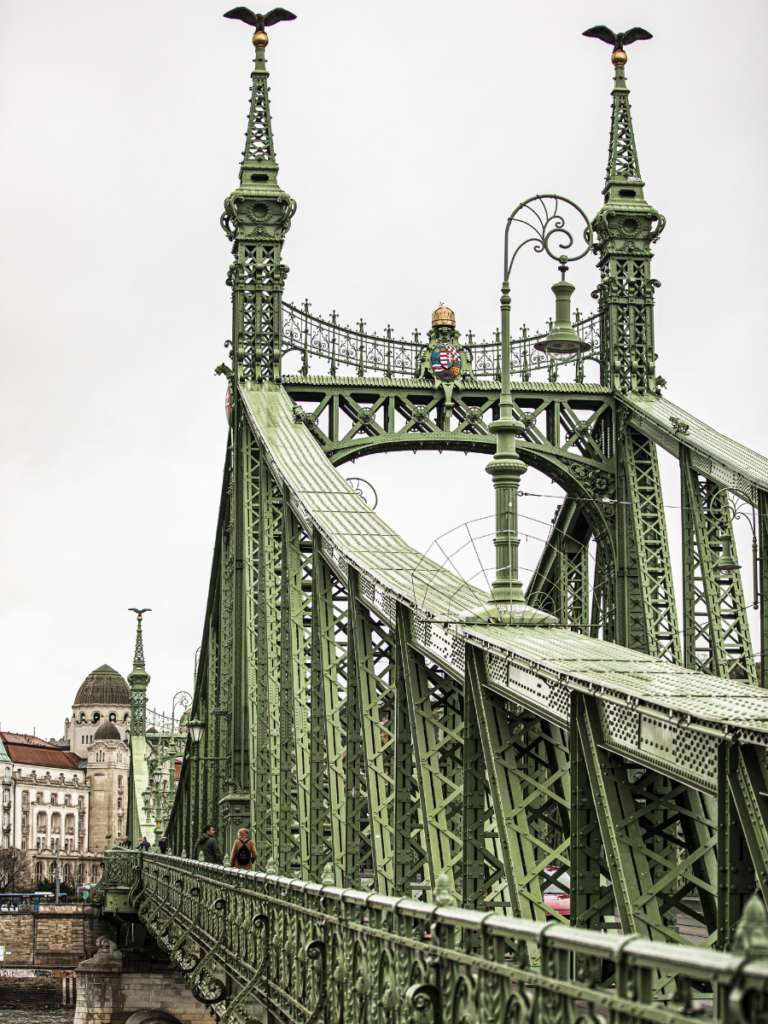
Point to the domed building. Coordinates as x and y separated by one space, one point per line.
104 696
107 772
99 734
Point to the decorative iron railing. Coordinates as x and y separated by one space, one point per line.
316 340
314 953
164 724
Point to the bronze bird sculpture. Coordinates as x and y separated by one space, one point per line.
618 40
260 21
140 611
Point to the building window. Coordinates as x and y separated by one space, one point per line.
54 799
41 821
24 825
7 773
119 757
112 716
6 843
69 824
80 872
39 798
119 781
80 802
96 717
67 800
24 797
6 798
23 844
38 871
119 802
6 820
56 822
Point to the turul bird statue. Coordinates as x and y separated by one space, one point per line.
618 40
260 21
140 611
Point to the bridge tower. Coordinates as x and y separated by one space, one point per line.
256 219
642 588
138 680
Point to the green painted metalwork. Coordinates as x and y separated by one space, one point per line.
250 942
715 616
626 227
376 729
332 346
646 610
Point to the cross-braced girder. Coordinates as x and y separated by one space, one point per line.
716 629
380 753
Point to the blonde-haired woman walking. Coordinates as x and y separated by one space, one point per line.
243 852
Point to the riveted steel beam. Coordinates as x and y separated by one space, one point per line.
327 695
510 806
434 709
371 677
717 637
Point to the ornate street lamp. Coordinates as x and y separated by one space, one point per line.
196 728
542 216
562 340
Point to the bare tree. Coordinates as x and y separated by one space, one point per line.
15 871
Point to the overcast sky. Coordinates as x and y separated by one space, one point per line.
407 132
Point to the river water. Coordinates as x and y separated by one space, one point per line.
57 1016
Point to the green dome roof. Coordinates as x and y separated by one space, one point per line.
104 686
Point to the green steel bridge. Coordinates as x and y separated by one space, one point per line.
417 761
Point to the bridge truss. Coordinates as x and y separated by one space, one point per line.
363 729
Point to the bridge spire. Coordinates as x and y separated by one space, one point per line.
623 163
256 219
626 227
138 679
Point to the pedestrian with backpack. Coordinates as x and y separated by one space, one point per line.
243 852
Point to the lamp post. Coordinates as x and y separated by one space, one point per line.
195 730
507 605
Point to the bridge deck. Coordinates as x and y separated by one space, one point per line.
650 707
716 456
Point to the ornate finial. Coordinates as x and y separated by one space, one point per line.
443 894
329 875
260 21
751 934
618 40
443 317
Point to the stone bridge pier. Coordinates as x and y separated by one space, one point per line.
134 986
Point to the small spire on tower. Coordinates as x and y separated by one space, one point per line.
623 164
259 144
256 218
138 654
625 227
138 679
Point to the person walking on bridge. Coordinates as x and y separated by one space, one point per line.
243 852
208 846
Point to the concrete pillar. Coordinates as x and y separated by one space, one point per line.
125 988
